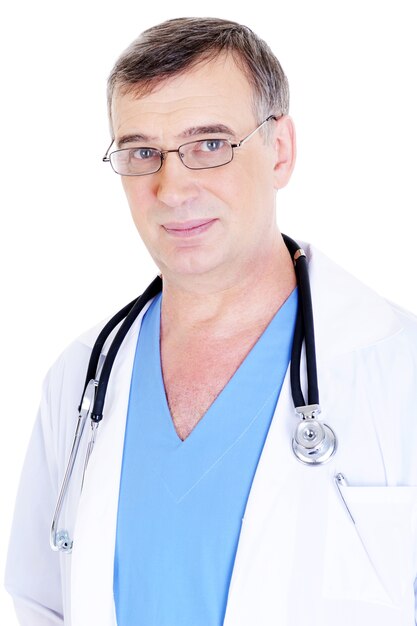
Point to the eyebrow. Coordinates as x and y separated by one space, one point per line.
193 131
135 138
207 129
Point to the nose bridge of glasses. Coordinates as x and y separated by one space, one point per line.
163 153
174 183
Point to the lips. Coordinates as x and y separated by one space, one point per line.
189 228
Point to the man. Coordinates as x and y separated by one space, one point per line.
194 509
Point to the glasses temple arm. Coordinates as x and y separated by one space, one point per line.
271 117
106 156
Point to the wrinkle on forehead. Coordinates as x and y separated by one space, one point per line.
216 92
181 121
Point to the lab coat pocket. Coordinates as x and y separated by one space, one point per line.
371 544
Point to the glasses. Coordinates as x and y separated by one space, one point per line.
203 154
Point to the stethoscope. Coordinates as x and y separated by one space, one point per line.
313 442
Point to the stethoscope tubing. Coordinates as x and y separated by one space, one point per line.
130 312
304 331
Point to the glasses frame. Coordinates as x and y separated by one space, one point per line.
163 153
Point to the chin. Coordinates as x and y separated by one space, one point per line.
191 264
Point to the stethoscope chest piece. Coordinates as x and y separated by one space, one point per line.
313 442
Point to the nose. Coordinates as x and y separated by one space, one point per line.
175 183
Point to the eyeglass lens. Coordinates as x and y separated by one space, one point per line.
203 154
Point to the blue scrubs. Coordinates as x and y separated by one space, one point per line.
181 503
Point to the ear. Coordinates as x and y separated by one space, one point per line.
283 137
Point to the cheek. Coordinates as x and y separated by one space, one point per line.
138 195
248 186
132 192
137 200
254 171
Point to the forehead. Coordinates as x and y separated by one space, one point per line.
212 92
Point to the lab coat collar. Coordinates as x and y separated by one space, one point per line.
337 296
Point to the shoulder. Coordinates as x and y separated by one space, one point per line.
349 315
72 363
70 368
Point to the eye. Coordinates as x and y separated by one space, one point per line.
142 154
212 145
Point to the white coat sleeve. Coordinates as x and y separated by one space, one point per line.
33 573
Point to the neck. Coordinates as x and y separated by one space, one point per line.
237 305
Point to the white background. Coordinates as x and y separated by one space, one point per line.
70 253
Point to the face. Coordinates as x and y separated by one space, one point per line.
216 221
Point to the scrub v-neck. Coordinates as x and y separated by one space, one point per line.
181 502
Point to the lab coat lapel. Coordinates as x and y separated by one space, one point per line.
250 574
95 532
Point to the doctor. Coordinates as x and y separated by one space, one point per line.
194 509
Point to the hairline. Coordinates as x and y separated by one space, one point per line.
145 87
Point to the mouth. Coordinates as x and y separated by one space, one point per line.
188 229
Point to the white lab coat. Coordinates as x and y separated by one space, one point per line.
301 559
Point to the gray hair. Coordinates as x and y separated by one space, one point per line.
173 47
